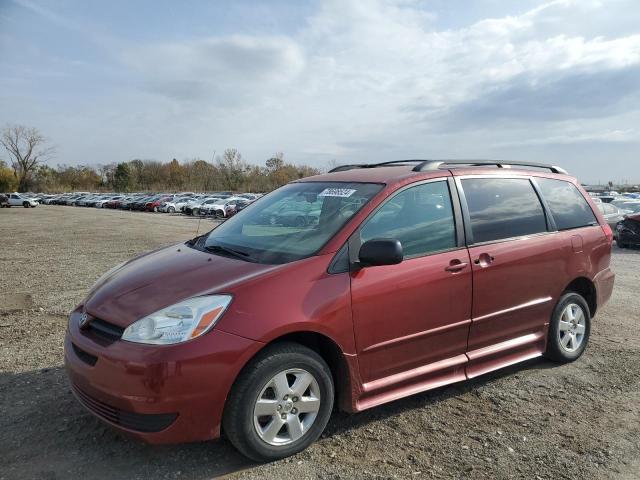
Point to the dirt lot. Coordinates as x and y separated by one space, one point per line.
536 420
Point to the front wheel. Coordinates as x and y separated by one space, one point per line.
171 210
280 403
25 204
569 329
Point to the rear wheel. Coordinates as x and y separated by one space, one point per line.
569 329
280 403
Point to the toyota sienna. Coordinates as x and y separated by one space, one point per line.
412 275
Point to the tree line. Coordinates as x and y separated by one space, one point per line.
27 171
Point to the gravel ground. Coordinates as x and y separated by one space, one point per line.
535 420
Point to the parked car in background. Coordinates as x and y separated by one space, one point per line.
115 202
154 205
71 200
176 204
199 207
84 200
99 200
238 207
127 204
20 200
141 202
628 231
292 214
611 214
48 199
221 208
628 205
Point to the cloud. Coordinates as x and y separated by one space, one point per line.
627 135
216 67
556 96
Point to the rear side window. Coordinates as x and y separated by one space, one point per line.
502 208
420 217
568 207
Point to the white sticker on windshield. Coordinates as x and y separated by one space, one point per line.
336 192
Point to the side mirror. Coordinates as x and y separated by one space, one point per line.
381 251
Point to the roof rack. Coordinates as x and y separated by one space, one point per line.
432 165
392 163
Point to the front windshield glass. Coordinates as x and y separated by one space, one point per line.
291 223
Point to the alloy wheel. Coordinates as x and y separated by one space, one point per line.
287 407
572 327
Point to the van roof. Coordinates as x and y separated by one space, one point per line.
399 170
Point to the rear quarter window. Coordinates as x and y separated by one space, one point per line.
568 207
501 208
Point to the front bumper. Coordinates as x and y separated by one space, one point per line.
160 394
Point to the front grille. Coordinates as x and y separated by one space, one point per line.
140 422
105 330
84 356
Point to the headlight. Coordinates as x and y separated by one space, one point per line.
180 322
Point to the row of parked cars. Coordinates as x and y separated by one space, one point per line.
622 212
216 204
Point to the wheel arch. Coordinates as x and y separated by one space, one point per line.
341 370
587 289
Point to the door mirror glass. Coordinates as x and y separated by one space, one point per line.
382 251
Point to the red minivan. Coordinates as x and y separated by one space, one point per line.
412 275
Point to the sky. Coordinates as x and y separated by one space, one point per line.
344 81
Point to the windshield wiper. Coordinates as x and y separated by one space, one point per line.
229 251
194 240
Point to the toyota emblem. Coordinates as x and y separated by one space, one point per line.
84 320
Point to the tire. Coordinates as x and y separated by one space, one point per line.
171 210
621 244
195 212
568 337
25 204
219 214
300 222
292 362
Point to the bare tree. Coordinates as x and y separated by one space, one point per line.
27 149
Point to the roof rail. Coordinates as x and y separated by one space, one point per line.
432 165
342 168
429 165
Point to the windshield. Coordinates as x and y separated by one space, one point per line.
291 223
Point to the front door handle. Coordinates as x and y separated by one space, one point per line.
456 266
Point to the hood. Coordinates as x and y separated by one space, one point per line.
635 217
164 277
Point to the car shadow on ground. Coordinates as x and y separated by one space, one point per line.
46 433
